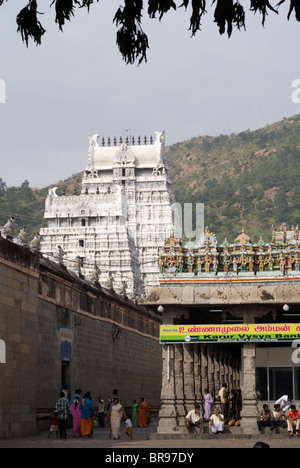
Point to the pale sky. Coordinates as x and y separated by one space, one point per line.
76 83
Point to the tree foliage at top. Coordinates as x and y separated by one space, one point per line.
132 41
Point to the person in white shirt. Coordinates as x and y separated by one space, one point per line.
217 422
101 411
285 402
194 420
65 391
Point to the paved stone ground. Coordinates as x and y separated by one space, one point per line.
101 440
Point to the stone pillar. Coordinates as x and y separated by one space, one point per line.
197 374
179 388
204 368
210 369
222 368
250 409
189 385
217 367
168 413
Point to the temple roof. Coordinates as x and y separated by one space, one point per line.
142 156
243 238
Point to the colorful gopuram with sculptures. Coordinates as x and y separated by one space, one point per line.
207 257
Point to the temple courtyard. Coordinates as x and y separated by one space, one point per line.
146 438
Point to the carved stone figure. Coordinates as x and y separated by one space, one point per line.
78 265
207 263
110 281
172 264
297 262
190 263
59 255
93 143
124 288
269 262
35 244
235 265
226 262
282 262
9 229
261 262
95 275
23 237
215 264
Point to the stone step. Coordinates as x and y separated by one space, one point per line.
230 432
257 437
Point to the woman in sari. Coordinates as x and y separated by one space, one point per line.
208 405
143 413
76 414
115 417
135 410
86 407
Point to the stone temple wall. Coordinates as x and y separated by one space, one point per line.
19 276
56 329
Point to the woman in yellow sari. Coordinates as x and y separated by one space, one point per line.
115 417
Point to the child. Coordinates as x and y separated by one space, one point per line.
129 429
54 424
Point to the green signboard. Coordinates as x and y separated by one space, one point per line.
256 333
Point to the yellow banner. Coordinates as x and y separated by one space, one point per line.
230 333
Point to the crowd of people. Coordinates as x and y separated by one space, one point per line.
84 415
284 415
227 412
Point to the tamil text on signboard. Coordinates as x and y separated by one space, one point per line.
229 333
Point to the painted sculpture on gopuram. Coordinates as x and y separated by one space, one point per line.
243 257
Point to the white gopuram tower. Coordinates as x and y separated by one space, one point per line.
120 221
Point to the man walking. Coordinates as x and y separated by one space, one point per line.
63 408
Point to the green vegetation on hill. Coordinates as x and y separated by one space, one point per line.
248 180
29 204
